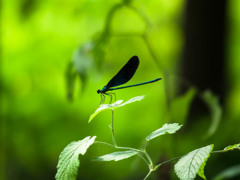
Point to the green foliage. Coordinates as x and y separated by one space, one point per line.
201 170
116 156
215 109
232 147
68 160
79 65
179 108
87 40
114 106
186 168
193 163
166 129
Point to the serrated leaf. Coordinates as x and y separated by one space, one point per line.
166 129
215 109
68 162
114 106
201 169
116 156
179 107
189 165
232 147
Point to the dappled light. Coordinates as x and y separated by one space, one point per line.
173 67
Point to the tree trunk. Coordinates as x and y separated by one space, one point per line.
203 62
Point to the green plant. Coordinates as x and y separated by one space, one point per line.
187 167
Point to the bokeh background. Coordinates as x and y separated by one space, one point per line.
56 54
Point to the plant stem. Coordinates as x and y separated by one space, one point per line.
101 142
144 145
126 148
166 162
149 162
148 44
218 151
150 171
141 156
141 153
149 158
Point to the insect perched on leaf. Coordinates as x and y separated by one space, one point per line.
123 76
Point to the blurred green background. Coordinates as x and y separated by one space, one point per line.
56 54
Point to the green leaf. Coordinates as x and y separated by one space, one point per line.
232 147
78 67
68 162
179 108
82 57
116 156
192 163
134 99
166 129
229 173
104 107
215 109
201 170
114 106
